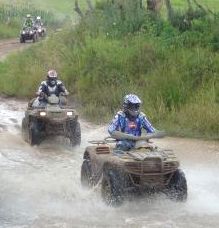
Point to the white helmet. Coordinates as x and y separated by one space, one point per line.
38 18
52 77
131 104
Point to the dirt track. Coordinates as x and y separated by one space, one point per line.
40 186
9 46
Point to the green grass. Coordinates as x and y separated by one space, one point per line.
9 30
57 6
211 4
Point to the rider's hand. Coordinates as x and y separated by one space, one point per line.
42 94
160 134
146 138
62 94
156 134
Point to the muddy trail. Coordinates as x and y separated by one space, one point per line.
40 185
10 46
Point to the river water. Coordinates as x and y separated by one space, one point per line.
40 186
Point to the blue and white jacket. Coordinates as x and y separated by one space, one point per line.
134 127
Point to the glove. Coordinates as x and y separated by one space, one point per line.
156 134
42 94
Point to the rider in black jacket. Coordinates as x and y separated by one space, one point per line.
48 87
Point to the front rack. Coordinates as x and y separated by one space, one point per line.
104 141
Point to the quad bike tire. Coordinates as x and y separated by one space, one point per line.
86 174
75 134
112 188
33 134
35 38
24 129
177 188
22 40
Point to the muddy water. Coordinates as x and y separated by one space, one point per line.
40 186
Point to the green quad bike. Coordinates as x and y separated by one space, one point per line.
142 170
53 119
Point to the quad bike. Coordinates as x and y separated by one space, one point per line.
53 119
41 30
144 169
28 33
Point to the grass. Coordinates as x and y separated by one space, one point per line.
211 4
56 6
8 30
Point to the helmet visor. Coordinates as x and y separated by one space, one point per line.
133 109
52 82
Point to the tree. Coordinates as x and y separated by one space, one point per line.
154 5
78 9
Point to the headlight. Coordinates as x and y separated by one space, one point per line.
69 113
23 32
42 113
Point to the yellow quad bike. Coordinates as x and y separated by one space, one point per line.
53 119
145 169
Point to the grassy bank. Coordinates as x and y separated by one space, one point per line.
174 72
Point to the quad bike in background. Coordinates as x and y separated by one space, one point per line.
28 33
53 119
41 30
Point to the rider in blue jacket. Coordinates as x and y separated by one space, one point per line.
127 125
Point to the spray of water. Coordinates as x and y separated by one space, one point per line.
40 186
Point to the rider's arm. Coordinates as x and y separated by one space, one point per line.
151 131
146 124
114 125
41 88
62 88
122 136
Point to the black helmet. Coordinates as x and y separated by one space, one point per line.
131 105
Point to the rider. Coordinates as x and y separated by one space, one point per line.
127 125
38 21
51 86
28 22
